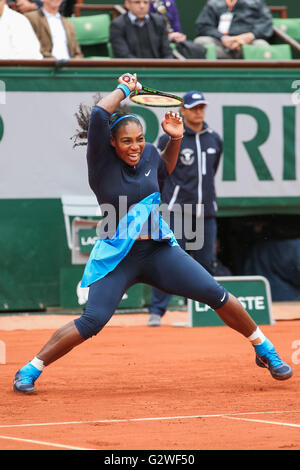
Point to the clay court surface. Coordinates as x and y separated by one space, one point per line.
138 388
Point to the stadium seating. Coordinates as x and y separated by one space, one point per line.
92 34
211 52
289 26
270 52
287 31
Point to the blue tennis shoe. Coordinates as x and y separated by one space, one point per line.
25 378
266 356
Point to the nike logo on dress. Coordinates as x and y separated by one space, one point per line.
148 173
223 297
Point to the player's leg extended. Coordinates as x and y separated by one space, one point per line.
102 302
177 273
104 297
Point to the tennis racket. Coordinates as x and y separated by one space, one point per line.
149 97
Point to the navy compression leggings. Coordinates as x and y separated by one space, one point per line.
155 263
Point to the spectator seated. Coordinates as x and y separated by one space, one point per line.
231 24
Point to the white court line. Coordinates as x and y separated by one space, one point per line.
51 444
231 416
263 421
159 418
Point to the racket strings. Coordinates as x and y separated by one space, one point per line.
147 97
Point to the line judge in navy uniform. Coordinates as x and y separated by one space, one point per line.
140 34
192 182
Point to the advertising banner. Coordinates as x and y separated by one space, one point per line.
252 291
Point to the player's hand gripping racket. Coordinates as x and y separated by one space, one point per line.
149 97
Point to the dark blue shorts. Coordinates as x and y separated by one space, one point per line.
155 263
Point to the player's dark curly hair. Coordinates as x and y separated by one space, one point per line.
83 118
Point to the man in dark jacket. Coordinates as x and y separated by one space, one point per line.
229 24
140 34
189 191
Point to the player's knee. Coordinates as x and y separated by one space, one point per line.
88 325
215 296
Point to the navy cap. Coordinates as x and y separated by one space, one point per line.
192 98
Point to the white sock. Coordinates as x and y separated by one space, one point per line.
37 363
258 334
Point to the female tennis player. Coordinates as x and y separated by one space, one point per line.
120 162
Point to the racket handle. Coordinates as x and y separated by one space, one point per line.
127 79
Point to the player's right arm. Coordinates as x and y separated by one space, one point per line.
111 101
99 124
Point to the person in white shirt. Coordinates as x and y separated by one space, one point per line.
58 33
17 38
55 32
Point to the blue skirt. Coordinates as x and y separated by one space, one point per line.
108 253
